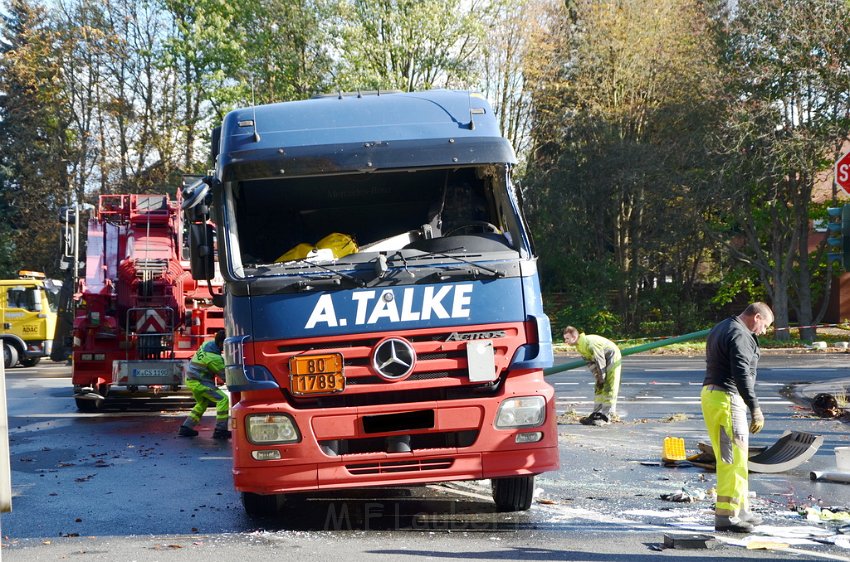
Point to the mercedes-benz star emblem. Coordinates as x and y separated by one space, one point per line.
393 359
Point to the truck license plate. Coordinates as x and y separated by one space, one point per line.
316 374
150 372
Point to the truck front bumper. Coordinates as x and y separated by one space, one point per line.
336 447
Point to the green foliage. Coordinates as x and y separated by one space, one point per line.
33 122
576 294
619 148
737 282
408 44
287 48
588 319
771 154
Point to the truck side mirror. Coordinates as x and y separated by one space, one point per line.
202 250
215 144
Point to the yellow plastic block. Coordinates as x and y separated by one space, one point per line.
674 449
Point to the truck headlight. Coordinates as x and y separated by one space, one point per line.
526 411
272 428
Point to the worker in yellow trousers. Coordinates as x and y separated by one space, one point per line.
205 367
728 391
604 360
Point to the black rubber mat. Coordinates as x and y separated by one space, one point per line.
791 450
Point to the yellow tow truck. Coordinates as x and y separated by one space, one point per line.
28 311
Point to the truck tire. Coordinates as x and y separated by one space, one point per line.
30 361
513 493
258 505
10 355
88 405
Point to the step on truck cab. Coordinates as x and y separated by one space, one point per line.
382 307
28 311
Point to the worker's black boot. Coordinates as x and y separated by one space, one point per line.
186 431
600 419
596 418
222 434
732 525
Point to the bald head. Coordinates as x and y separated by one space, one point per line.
757 317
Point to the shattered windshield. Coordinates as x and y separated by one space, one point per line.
283 226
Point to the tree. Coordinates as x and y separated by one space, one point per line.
206 52
623 95
287 50
408 44
81 42
33 140
514 23
787 68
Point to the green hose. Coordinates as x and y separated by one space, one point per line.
629 351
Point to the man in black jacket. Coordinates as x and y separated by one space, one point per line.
732 354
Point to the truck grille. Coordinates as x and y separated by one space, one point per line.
440 373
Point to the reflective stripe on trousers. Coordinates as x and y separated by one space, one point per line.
605 398
205 395
725 417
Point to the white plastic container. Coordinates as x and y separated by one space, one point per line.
842 458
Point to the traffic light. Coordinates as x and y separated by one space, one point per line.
838 238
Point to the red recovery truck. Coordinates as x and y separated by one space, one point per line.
139 314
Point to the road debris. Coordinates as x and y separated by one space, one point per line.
826 405
690 541
685 495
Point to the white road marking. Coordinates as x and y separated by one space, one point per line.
684 402
772 399
106 414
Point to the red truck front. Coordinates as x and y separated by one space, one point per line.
383 309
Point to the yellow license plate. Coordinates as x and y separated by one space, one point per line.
316 374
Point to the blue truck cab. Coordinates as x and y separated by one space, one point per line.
382 302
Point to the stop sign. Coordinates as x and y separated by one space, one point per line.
842 172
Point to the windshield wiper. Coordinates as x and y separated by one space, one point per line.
339 275
475 271
310 282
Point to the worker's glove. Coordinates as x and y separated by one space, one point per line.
758 421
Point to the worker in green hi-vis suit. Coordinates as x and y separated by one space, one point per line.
206 365
604 360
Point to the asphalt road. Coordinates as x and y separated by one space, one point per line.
122 485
